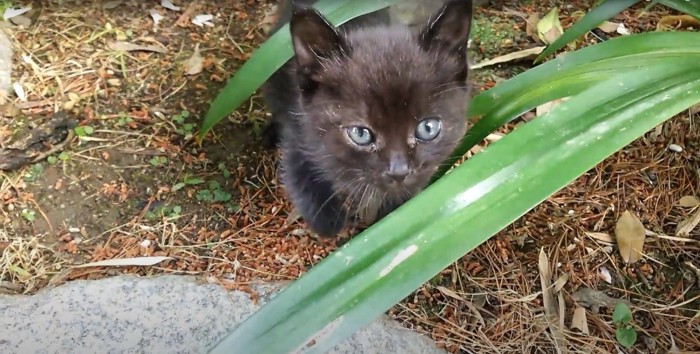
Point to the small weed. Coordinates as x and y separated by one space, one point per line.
28 215
625 333
84 130
156 161
224 171
52 160
214 194
124 119
34 172
183 128
187 181
169 212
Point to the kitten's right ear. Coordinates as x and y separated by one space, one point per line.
314 38
449 27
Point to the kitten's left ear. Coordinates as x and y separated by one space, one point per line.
314 38
449 28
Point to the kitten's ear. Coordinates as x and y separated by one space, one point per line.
449 27
314 38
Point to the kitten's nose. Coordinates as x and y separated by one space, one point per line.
398 170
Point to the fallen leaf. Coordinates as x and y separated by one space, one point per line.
447 292
156 16
689 202
201 20
531 27
601 236
169 5
559 284
608 27
111 4
621 29
12 12
677 22
686 226
271 16
604 274
22 20
630 236
521 54
549 28
195 63
136 261
130 47
579 321
549 303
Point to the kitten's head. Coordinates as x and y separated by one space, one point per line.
383 106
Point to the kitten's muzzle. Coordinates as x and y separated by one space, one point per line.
398 170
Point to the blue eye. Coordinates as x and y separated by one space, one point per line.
360 135
428 129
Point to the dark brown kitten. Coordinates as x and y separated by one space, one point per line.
364 114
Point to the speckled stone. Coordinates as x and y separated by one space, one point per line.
165 314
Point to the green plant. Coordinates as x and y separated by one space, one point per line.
28 215
83 130
624 332
618 90
182 127
156 161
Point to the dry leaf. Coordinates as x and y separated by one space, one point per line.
130 47
608 27
12 12
526 53
677 22
630 236
601 236
195 63
136 261
579 321
604 274
550 305
449 293
531 27
689 202
686 226
559 284
111 4
549 28
169 5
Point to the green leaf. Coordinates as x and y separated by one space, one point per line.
592 20
272 54
622 314
393 257
52 160
568 75
691 8
626 336
178 186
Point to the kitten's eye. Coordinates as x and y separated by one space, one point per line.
428 129
360 135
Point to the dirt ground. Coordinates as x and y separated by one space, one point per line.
132 182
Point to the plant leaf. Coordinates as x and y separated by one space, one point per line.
621 314
688 202
389 260
626 336
689 7
567 75
272 54
594 18
630 235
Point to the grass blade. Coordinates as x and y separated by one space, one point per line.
272 54
588 22
389 260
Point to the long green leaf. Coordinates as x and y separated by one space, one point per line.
567 75
389 260
272 54
691 7
588 22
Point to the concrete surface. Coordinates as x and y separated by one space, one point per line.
165 314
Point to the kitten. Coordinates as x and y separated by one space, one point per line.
364 114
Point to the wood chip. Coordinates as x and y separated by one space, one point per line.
131 47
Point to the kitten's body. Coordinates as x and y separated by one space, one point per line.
368 79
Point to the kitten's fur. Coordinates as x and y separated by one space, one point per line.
366 74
